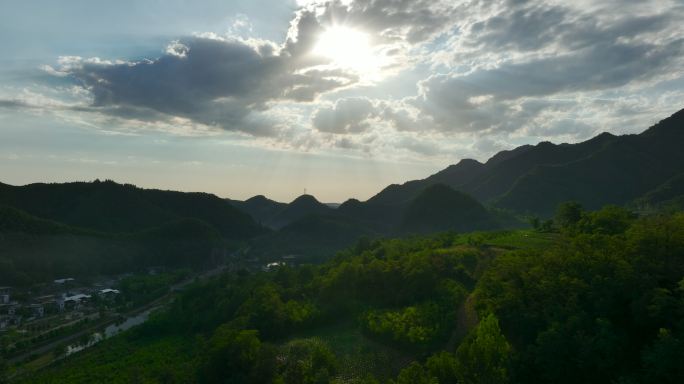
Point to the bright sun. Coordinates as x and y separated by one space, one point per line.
348 48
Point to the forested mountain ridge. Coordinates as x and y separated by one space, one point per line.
277 215
669 195
606 169
119 208
436 208
259 207
85 229
299 208
528 180
439 207
35 250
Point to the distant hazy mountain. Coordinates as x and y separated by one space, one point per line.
111 207
303 206
436 208
607 169
277 215
259 207
312 238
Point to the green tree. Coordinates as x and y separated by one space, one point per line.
3 371
233 356
569 214
610 220
546 226
663 360
484 358
308 362
415 374
368 379
535 223
444 367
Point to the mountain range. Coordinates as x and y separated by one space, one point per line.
606 169
119 208
644 171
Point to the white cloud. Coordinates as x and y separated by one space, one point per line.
493 72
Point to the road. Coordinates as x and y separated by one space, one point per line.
65 340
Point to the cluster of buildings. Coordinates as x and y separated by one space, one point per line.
63 298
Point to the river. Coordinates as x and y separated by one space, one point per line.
111 331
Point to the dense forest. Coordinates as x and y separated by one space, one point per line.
35 250
592 297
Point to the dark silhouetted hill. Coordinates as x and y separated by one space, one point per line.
304 205
111 207
441 208
606 169
259 207
617 171
35 250
669 195
313 238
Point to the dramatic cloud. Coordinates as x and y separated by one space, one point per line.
346 116
503 69
509 55
215 82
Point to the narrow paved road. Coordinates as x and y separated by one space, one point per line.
52 344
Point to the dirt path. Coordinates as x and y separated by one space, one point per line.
466 320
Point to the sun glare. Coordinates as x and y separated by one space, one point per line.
348 48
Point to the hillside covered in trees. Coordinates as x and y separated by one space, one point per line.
123 208
606 169
86 229
643 171
595 297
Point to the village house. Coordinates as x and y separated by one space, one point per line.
108 294
76 301
9 315
51 303
5 295
272 266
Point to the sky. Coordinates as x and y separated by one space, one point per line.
339 98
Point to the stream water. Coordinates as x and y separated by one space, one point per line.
111 331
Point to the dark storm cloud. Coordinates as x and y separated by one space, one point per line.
210 81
